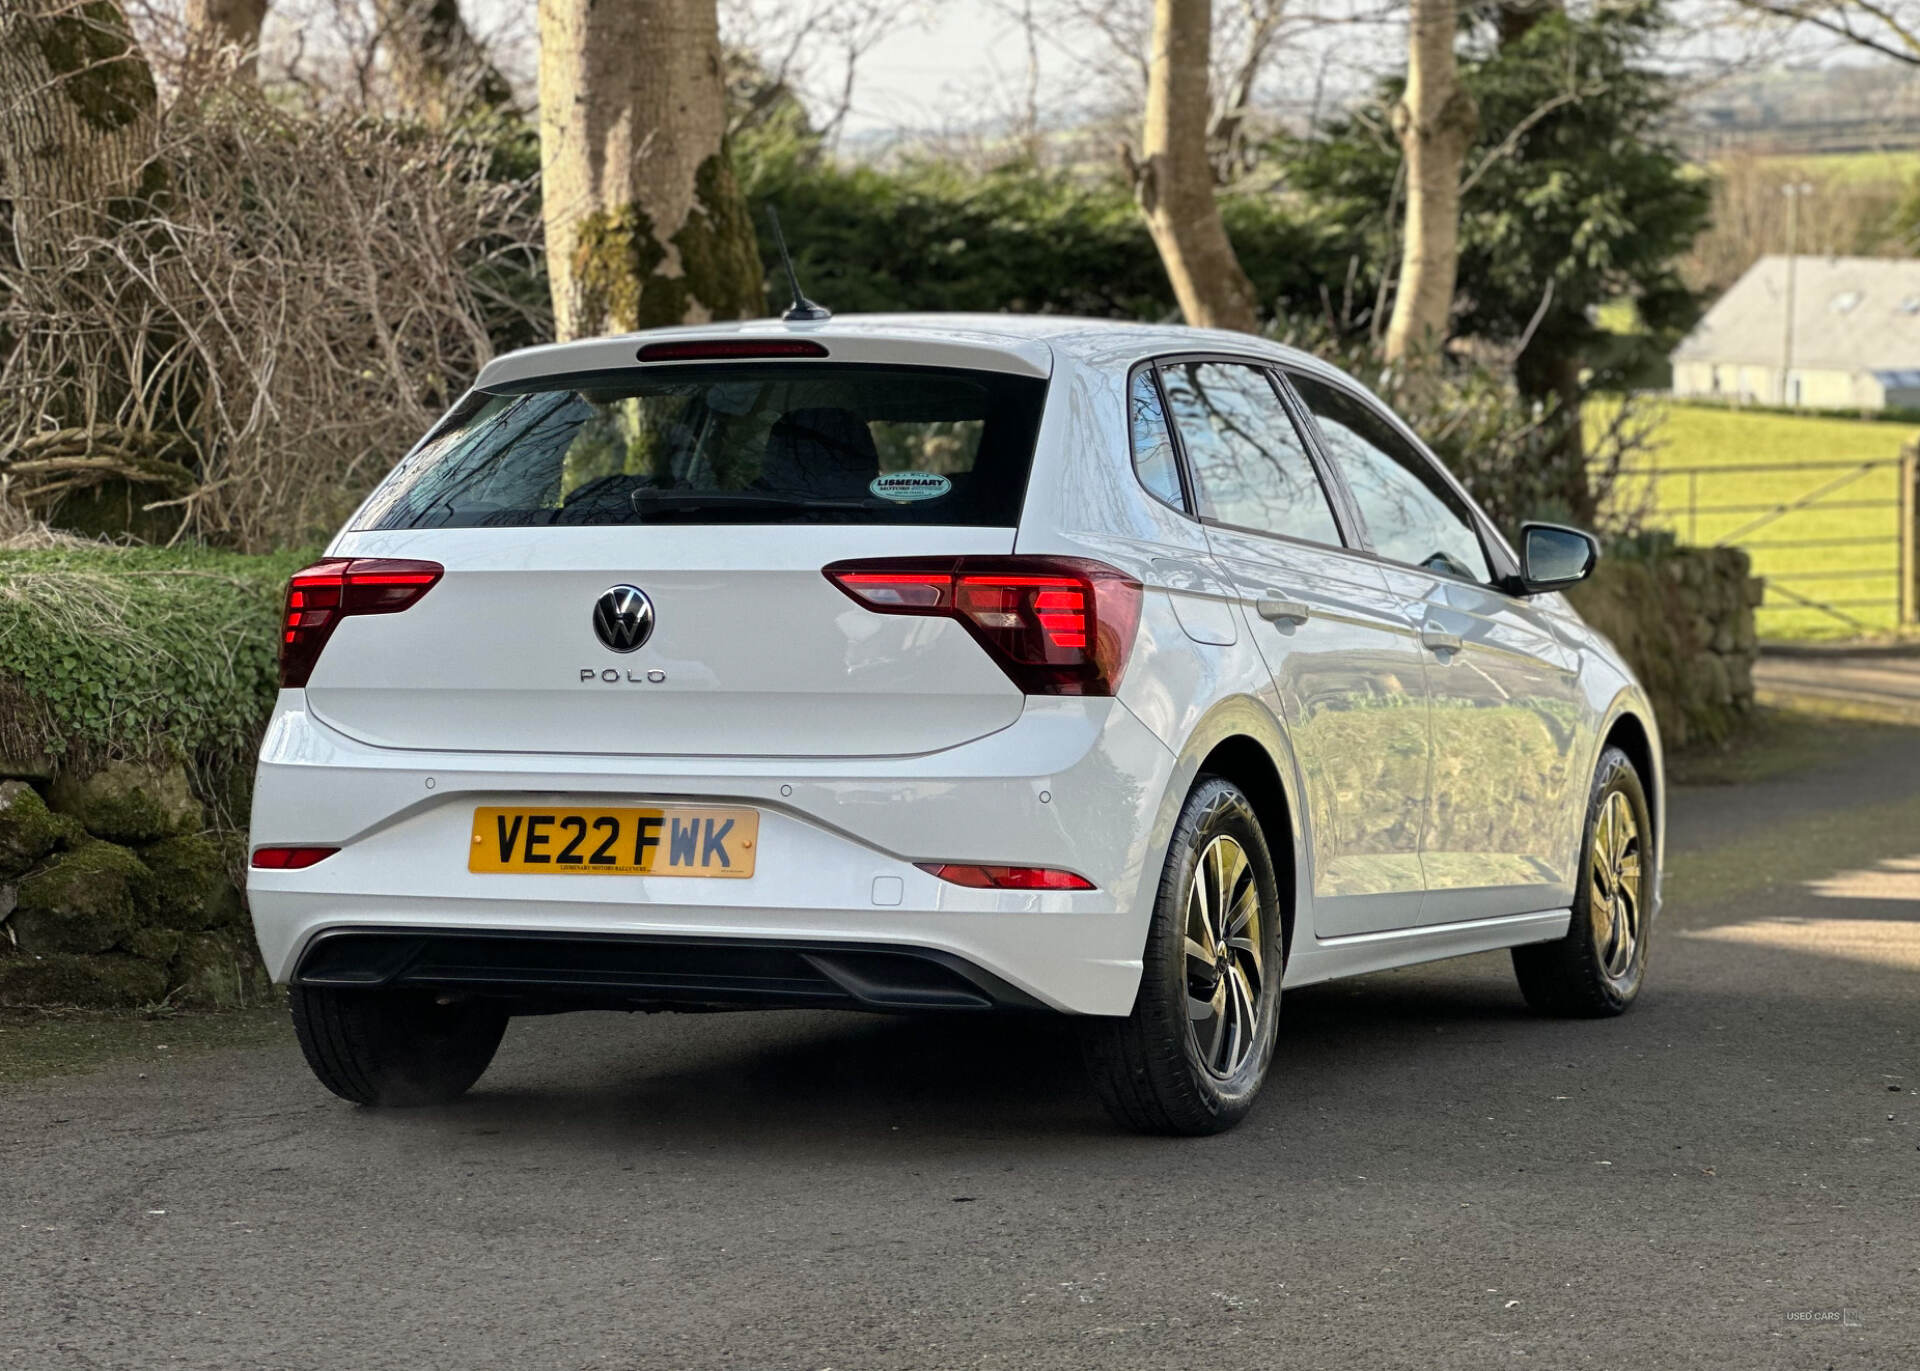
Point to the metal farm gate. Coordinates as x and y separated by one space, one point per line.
1836 545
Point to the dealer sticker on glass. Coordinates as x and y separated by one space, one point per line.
904 487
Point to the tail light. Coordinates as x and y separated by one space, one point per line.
327 592
1055 625
1006 877
289 858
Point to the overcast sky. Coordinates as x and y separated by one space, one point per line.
960 66
947 65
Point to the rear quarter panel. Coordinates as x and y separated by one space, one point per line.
1190 689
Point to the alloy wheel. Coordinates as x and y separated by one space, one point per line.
1613 899
1226 965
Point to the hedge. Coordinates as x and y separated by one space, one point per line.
935 236
115 652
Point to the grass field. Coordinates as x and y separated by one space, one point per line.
1898 166
1801 551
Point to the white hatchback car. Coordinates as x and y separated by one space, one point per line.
935 663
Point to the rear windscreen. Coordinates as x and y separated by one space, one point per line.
742 443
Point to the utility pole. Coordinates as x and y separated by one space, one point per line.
1793 191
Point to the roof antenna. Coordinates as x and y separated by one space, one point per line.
802 310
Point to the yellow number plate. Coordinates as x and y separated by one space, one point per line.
666 841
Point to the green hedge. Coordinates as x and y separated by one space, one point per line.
129 652
936 236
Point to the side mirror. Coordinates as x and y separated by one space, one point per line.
1553 557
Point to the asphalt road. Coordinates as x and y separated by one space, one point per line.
1433 1179
1885 679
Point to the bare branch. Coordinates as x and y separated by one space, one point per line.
1506 146
1898 38
254 347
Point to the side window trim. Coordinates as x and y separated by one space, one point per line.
1190 503
1476 518
1346 509
1309 440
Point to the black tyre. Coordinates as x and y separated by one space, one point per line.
1191 1056
397 1048
1599 967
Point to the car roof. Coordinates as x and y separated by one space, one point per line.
1016 342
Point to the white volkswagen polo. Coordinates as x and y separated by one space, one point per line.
935 663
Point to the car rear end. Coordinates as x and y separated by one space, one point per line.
700 670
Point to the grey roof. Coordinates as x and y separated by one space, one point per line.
1849 314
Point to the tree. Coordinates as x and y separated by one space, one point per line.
77 109
1173 179
940 236
216 25
1573 199
1435 122
1514 19
440 71
644 219
78 165
1589 204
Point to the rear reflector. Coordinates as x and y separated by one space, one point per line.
1006 877
289 858
327 592
730 349
1055 625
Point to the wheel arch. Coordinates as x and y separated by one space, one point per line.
1240 741
1631 727
1244 761
1629 733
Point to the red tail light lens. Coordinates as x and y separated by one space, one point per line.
327 592
1006 877
289 858
1056 625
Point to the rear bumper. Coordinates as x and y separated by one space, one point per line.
555 971
1074 784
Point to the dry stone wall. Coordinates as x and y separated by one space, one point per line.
1684 619
113 894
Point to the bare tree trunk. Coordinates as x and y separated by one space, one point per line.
77 105
645 222
440 71
1436 123
77 161
1173 179
213 25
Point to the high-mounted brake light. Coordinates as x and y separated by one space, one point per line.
290 858
1055 625
327 592
1006 877
730 349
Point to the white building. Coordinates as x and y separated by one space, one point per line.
1854 344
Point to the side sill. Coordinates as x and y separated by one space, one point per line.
1356 954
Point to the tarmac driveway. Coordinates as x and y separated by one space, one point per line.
1729 1176
1884 679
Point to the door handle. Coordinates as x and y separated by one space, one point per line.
1436 641
1275 610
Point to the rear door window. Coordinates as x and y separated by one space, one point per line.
739 443
1249 464
1412 514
